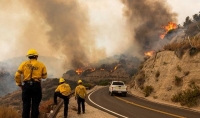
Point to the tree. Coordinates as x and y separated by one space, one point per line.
187 22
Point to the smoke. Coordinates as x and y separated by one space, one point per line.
67 30
145 19
62 29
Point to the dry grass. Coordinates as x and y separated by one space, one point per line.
45 106
178 81
7 112
187 43
189 97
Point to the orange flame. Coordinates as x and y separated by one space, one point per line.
149 53
92 69
79 71
167 28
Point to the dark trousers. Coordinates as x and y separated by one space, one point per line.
66 101
31 97
81 103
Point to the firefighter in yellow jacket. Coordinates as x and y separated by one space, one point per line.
80 95
28 78
63 91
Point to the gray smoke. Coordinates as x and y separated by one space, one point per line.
145 19
68 32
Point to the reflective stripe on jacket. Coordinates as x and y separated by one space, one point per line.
80 90
64 89
39 71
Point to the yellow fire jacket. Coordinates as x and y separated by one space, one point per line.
33 66
64 89
80 90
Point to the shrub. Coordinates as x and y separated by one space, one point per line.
165 63
179 47
104 82
88 85
193 51
140 79
148 90
179 68
189 97
157 74
7 112
178 81
192 83
186 73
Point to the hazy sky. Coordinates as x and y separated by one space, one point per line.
105 16
184 8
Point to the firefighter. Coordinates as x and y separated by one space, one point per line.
80 95
63 91
28 77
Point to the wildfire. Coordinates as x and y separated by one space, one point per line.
117 66
149 53
79 71
102 69
167 28
92 69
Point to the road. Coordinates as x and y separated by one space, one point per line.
134 107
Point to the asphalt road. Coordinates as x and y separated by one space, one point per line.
134 107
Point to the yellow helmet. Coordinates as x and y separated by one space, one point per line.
79 81
32 52
61 80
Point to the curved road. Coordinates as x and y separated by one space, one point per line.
134 107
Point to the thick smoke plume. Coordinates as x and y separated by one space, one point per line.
68 30
145 19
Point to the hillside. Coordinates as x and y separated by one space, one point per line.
171 75
123 68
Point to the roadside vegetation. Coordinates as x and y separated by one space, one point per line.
189 97
8 112
148 90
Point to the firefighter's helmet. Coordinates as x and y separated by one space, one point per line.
32 52
61 80
79 81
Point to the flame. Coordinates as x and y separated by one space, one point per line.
79 71
115 68
102 69
92 69
149 53
167 28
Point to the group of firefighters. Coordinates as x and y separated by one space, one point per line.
28 77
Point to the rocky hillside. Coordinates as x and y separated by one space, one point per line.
173 74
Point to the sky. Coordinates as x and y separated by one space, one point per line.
98 28
184 8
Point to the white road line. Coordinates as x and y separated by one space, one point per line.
105 108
